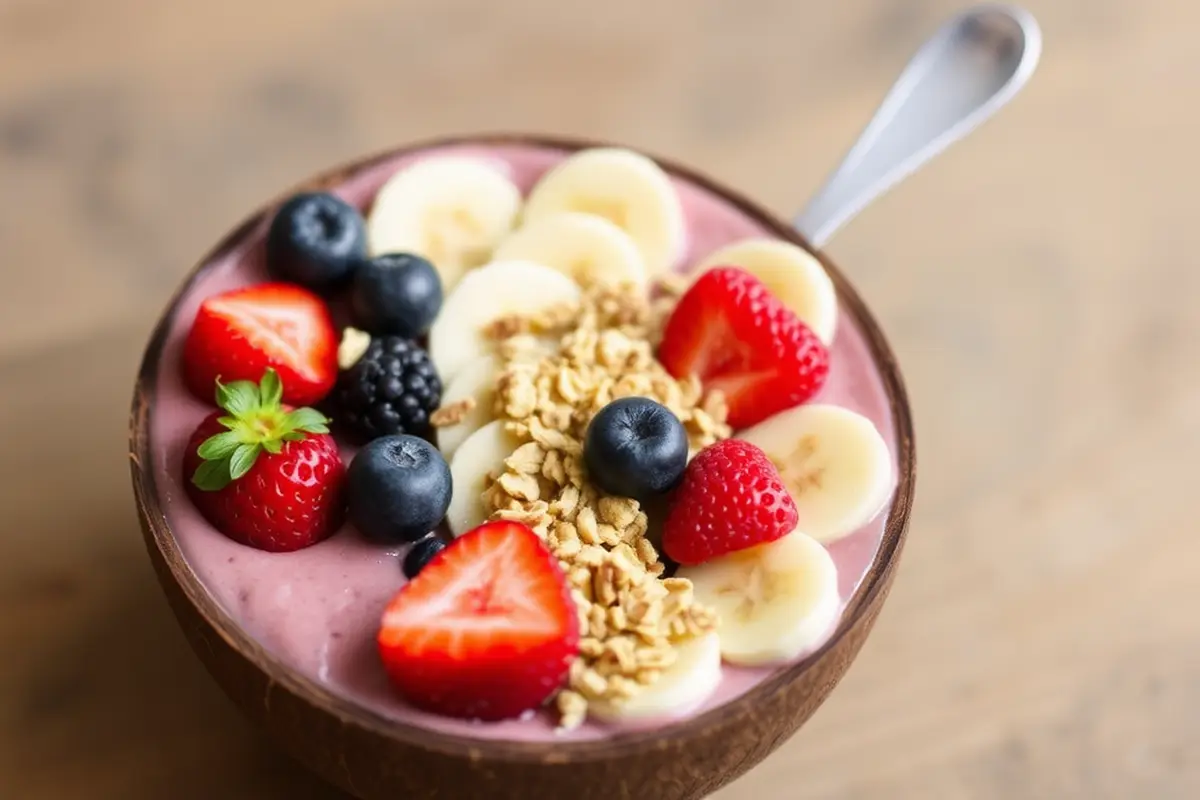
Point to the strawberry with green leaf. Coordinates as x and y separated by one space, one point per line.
265 474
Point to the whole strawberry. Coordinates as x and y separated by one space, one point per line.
731 498
738 338
264 474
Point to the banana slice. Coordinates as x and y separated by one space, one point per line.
774 601
834 462
585 247
626 188
481 453
790 272
452 210
352 347
681 688
484 295
477 381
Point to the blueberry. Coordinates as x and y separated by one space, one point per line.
398 489
395 294
316 240
636 448
421 554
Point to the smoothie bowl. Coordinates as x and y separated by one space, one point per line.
517 467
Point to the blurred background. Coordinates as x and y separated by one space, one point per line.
1038 282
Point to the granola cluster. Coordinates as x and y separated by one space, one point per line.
557 370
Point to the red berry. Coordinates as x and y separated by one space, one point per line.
487 630
737 337
263 474
238 335
731 498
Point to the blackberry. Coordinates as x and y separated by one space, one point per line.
391 390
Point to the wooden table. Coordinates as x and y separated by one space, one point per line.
1039 283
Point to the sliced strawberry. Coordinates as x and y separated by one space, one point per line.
487 630
737 337
239 334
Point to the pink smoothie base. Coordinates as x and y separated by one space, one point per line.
318 610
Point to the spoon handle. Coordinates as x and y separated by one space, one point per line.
963 74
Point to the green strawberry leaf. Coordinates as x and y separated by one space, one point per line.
308 420
243 459
270 389
219 446
239 398
257 424
212 476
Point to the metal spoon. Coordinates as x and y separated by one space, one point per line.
966 72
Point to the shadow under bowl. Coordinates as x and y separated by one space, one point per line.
373 757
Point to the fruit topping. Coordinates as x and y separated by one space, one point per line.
585 247
449 209
316 240
833 462
391 389
467 404
568 397
790 273
498 293
395 294
262 473
476 462
398 489
486 631
685 684
238 335
774 601
731 498
739 339
626 188
421 554
636 448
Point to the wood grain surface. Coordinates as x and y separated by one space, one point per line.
1038 283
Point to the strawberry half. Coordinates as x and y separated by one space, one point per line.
263 474
737 337
238 335
487 630
731 498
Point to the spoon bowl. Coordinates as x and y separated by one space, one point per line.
373 756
